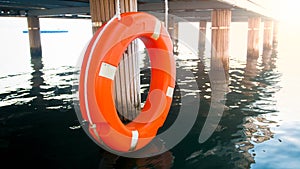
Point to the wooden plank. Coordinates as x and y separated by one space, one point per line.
184 5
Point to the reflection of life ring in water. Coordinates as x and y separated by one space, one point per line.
99 65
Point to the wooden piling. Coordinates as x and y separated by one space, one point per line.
34 36
202 38
275 33
171 27
173 32
127 78
268 34
253 37
175 38
221 20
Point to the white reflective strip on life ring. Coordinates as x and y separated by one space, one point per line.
157 28
107 70
94 127
86 71
170 91
134 140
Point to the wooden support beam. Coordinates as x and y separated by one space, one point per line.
176 40
173 32
34 36
221 20
59 11
202 37
268 34
253 37
275 33
127 78
171 27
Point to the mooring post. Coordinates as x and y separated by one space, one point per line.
221 19
34 36
202 37
253 37
127 78
268 34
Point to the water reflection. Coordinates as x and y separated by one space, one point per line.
37 80
112 161
44 127
257 127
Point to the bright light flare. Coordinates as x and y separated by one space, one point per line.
287 11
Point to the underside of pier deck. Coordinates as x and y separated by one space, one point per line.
191 10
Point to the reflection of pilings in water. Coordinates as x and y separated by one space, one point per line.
234 136
266 59
250 73
257 128
269 58
161 161
37 79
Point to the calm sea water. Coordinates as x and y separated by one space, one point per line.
259 128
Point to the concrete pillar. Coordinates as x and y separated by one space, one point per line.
34 36
127 78
202 37
268 34
253 37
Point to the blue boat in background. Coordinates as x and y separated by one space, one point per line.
50 31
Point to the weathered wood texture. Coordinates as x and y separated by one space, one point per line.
127 78
268 34
221 20
253 37
275 33
173 32
34 36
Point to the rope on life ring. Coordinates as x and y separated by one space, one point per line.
99 65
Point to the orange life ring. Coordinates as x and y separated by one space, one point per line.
100 62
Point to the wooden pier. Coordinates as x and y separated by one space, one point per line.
99 11
219 12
